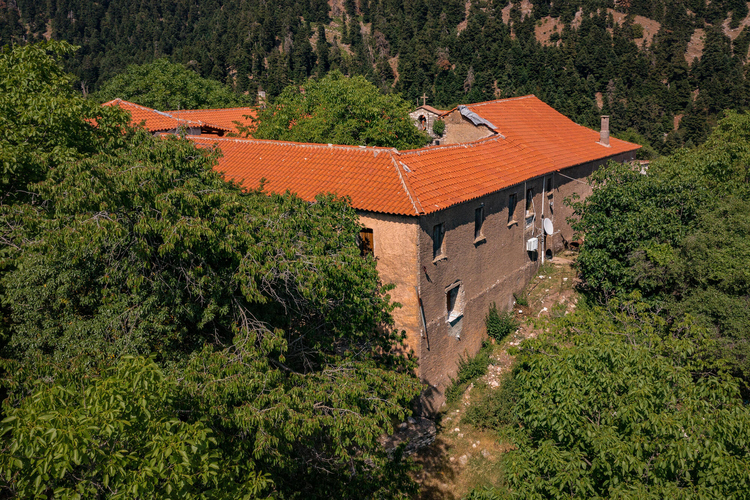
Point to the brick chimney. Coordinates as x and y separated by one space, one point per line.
604 132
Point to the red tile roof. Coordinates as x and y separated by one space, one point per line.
535 140
159 121
446 175
541 127
222 117
371 177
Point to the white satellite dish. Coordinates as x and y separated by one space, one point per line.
548 227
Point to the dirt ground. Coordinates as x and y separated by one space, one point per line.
462 457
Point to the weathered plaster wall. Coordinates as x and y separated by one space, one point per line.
395 242
490 269
459 129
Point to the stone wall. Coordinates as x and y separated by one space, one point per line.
480 270
395 242
459 129
487 269
490 268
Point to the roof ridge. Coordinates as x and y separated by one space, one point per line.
407 187
301 144
165 114
209 109
411 152
517 98
482 103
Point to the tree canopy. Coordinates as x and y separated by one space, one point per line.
339 110
164 85
618 403
42 122
219 342
678 235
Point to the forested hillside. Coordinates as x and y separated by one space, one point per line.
665 69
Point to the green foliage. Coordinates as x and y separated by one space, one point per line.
438 127
485 493
495 408
248 298
340 110
166 86
265 325
43 122
678 235
647 152
500 325
469 369
619 403
116 434
521 299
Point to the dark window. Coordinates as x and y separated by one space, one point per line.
438 233
478 222
529 202
549 186
366 242
451 296
511 206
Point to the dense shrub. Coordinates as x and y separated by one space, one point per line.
438 127
500 325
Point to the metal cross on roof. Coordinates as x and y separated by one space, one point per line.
424 98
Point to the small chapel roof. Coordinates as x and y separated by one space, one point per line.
432 110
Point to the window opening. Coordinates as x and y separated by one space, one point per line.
422 123
529 202
366 242
511 206
438 235
478 222
530 212
451 298
454 302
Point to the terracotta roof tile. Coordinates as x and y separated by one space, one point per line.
534 140
371 177
547 131
159 121
446 175
222 117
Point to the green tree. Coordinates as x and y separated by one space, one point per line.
42 122
165 86
626 409
270 328
678 234
116 434
616 402
341 110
